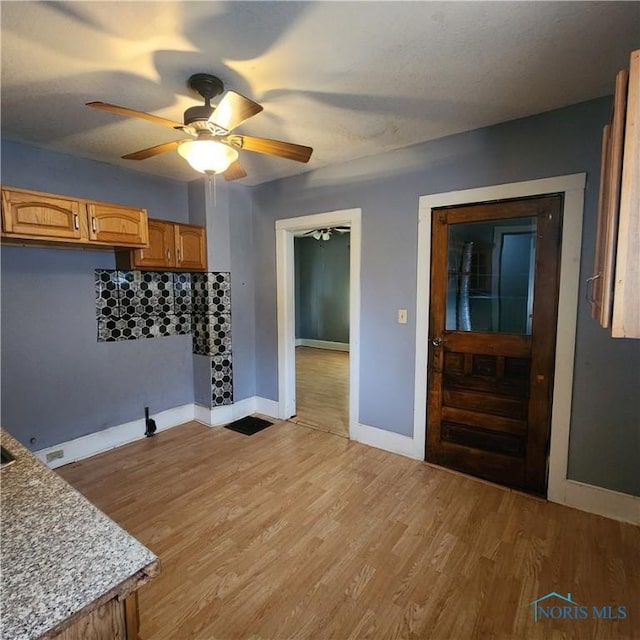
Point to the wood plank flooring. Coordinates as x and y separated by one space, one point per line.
296 533
322 389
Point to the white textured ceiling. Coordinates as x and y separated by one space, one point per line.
349 79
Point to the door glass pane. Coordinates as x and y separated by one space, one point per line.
491 267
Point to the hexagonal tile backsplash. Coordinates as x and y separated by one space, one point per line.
131 305
134 305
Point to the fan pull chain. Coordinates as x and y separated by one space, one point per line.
211 179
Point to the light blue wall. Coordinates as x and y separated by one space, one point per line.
34 168
243 318
225 209
322 288
604 446
58 382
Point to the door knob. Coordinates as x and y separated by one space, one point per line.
436 342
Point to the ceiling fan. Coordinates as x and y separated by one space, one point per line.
325 234
212 148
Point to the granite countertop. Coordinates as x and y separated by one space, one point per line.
61 556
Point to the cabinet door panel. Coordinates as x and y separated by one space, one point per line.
30 214
115 225
160 253
191 248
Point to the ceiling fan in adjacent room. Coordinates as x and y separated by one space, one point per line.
325 234
211 147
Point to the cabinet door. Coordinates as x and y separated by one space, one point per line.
626 309
31 214
191 247
117 226
105 622
160 254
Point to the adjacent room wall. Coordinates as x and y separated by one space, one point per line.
322 288
604 446
58 382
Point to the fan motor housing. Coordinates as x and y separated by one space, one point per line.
197 113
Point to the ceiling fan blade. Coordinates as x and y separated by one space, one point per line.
232 110
132 113
143 154
235 171
288 150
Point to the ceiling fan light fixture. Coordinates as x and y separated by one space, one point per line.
208 156
326 234
316 235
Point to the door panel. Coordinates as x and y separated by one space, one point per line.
493 310
117 225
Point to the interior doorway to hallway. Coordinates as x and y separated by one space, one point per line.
317 376
321 259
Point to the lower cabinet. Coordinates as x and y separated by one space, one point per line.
114 620
172 247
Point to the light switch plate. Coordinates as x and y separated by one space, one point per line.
402 316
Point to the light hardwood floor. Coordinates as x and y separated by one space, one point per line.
296 533
322 389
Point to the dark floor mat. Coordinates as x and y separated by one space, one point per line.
249 425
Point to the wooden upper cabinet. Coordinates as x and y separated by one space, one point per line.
160 253
613 287
45 218
626 294
191 247
172 247
31 214
116 225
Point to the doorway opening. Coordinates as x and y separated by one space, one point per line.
321 258
323 364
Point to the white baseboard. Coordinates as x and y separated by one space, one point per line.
381 439
218 416
266 407
100 441
603 502
322 344
94 443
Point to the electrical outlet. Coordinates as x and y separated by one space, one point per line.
55 455
402 316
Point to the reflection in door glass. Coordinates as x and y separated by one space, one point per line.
491 267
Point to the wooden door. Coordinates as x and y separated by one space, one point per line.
117 226
31 214
191 247
492 333
160 254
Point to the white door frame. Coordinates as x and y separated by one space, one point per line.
285 284
572 187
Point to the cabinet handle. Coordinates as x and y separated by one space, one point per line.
589 292
76 221
168 255
94 225
179 255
